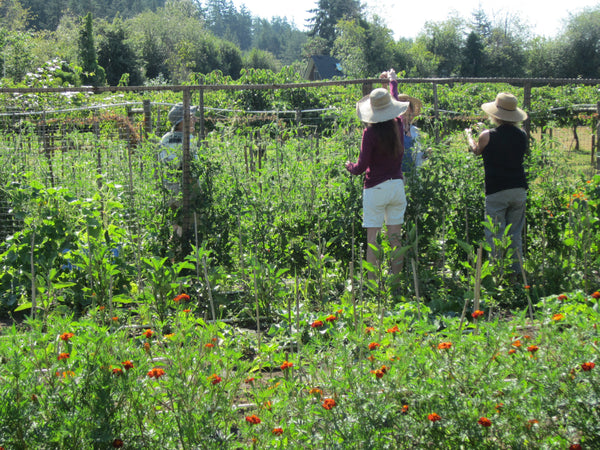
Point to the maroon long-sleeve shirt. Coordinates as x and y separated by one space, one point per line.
377 164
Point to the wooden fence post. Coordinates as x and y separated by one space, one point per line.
201 133
527 107
436 113
186 178
597 139
147 118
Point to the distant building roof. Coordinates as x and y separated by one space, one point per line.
321 67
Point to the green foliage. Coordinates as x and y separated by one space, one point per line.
92 73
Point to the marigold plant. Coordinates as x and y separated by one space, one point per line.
286 365
253 419
156 372
484 422
66 336
148 334
586 367
329 403
181 297
434 417
477 314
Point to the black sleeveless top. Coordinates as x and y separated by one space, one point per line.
503 159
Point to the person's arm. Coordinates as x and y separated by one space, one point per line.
478 147
364 159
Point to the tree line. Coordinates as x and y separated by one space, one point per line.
111 42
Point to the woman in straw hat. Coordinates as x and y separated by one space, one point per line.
380 160
503 149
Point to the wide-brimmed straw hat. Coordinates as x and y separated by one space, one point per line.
415 102
505 108
379 106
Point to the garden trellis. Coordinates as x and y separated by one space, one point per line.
63 143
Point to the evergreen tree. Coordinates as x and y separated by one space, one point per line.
473 56
92 73
329 13
116 56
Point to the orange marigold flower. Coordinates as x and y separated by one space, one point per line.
434 417
209 345
118 443
484 422
378 373
512 351
516 343
369 330
329 403
186 310
115 319
374 346
63 356
147 347
527 286
562 297
557 317
444 345
181 297
277 431
66 336
286 365
533 348
499 407
156 373
404 409
532 422
317 324
476 314
330 318
394 329
117 371
214 379
127 365
315 391
596 295
66 374
253 419
586 367
148 334
249 380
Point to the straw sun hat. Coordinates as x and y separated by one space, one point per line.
505 108
379 106
415 102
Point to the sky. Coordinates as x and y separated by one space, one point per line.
407 18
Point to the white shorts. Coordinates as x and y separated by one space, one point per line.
386 201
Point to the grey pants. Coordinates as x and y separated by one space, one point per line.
507 208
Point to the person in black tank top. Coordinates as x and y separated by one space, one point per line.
503 149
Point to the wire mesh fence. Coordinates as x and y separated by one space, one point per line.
105 141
